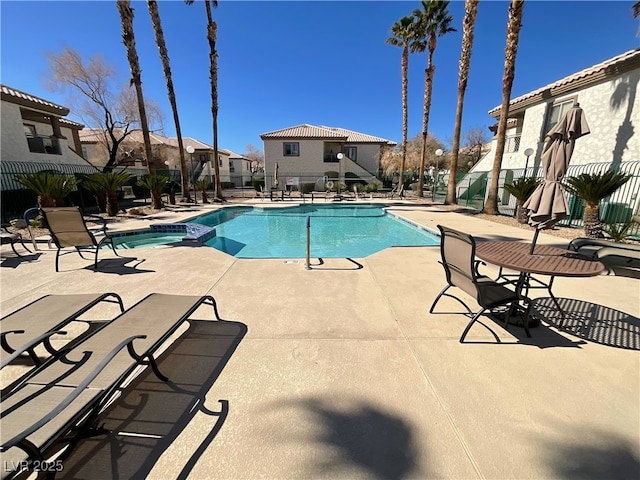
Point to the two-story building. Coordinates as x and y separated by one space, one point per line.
313 154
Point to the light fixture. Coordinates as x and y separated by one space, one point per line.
528 152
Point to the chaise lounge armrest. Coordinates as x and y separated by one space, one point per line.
14 419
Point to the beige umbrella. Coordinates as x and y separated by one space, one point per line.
275 176
548 205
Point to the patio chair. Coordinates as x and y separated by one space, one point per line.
607 248
35 323
461 270
11 238
59 402
68 229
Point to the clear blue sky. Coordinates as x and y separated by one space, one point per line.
325 63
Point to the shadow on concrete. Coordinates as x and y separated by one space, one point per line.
119 266
360 434
592 322
15 261
150 414
600 456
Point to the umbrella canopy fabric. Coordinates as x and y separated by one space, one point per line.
275 176
548 205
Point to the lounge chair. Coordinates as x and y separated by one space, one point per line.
68 229
11 238
457 250
35 323
606 248
60 400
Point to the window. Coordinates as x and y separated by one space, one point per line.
29 130
556 113
351 152
231 168
291 149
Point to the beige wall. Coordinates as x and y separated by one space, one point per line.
606 122
14 146
310 165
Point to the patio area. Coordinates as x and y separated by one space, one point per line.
341 372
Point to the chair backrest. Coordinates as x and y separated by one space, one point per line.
67 227
458 251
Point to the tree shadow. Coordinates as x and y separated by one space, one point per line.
377 441
624 92
592 322
599 455
150 414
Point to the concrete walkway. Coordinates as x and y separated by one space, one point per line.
340 372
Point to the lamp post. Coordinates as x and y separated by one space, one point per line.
528 152
439 152
190 151
339 156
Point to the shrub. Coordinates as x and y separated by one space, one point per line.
258 184
306 187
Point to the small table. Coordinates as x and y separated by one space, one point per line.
545 260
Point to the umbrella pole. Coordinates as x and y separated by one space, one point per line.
533 242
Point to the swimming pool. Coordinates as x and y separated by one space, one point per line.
336 231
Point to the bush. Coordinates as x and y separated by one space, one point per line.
258 184
371 187
306 187
227 185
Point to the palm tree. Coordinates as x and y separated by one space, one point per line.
636 10
468 26
212 29
433 22
521 189
513 33
593 188
50 188
156 185
166 67
202 185
109 182
128 38
405 35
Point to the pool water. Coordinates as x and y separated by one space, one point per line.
145 240
336 231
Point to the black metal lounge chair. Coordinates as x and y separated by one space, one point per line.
68 229
35 323
59 401
461 270
606 248
11 238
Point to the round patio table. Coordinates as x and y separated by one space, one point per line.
545 260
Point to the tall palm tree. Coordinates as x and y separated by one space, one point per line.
433 22
468 26
636 10
212 29
407 36
513 34
166 67
126 19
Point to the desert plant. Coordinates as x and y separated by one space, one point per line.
618 231
202 185
156 185
109 182
521 189
593 188
172 187
306 187
371 187
51 188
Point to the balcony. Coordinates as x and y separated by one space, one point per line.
511 143
44 144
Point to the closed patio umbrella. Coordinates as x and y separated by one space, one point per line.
548 205
275 176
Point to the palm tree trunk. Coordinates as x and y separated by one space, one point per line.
212 28
469 22
128 38
112 203
166 67
513 33
592 224
405 113
428 89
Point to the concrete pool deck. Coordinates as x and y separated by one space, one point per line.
340 372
